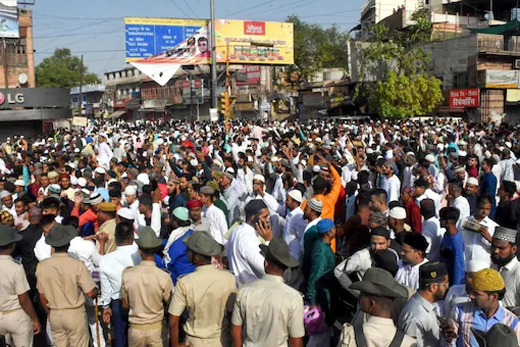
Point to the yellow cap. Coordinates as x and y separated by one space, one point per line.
487 280
107 207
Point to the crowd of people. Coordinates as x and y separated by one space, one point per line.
166 233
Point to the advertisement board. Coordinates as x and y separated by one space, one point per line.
9 26
461 98
79 121
34 97
148 37
185 41
252 74
243 42
502 79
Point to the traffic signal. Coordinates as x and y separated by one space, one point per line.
225 105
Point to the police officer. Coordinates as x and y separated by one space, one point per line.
205 293
269 297
379 290
419 317
63 283
17 316
144 289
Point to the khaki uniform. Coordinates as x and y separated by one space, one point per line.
269 311
378 331
206 293
64 280
13 319
145 287
108 227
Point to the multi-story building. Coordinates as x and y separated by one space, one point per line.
123 92
17 55
25 109
91 100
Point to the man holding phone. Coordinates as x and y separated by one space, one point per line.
245 261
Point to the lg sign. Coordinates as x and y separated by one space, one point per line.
17 98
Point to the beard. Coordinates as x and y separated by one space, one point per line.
502 261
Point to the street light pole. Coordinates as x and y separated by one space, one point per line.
214 96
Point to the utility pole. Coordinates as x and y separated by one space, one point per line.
81 86
214 96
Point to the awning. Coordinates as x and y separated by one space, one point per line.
512 26
116 114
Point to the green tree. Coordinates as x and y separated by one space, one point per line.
401 96
399 62
316 47
63 70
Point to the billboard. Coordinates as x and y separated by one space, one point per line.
462 98
503 79
148 37
246 42
185 41
9 26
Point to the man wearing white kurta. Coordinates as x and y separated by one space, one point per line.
214 216
245 261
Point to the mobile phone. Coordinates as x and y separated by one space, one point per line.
443 322
256 219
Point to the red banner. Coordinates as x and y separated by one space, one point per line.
462 98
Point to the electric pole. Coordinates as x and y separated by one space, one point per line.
214 96
81 86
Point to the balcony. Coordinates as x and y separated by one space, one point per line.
167 92
498 45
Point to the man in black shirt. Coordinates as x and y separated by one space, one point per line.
504 209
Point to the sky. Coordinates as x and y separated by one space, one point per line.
95 28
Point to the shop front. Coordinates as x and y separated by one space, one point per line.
25 111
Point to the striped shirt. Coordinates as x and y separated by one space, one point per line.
467 316
511 275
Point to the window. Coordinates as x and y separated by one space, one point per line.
20 48
460 80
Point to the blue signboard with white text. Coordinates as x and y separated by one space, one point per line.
146 37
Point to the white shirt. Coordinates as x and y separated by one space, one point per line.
41 249
511 275
408 177
134 207
246 180
217 223
111 269
243 250
104 155
475 246
409 275
463 205
294 230
155 222
85 251
3 169
432 231
392 186
456 295
430 194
